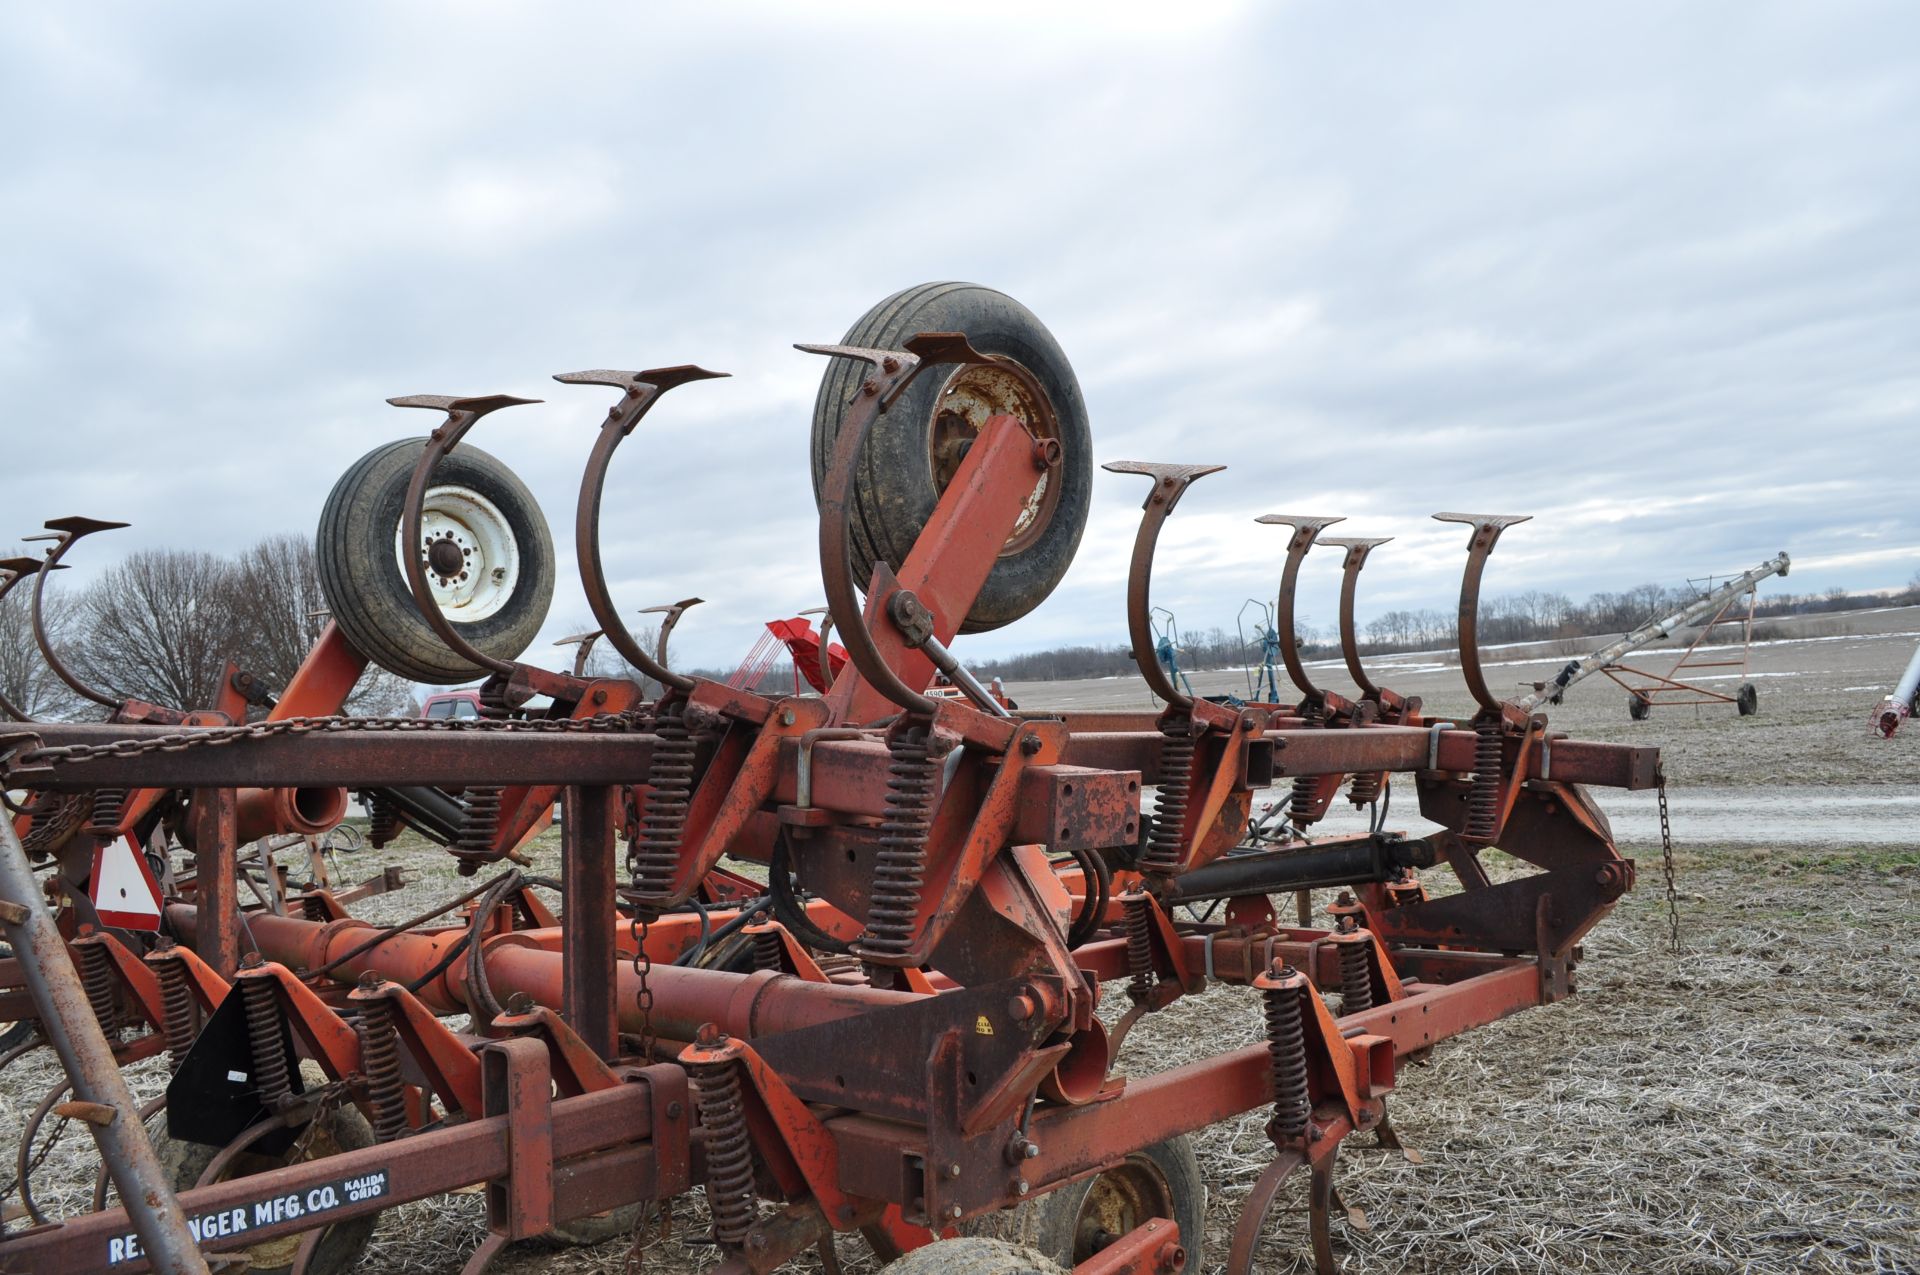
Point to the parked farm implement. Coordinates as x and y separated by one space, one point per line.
1728 605
900 1033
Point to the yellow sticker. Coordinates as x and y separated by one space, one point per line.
981 1027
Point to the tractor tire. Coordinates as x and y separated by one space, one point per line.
1073 1223
1747 700
343 1244
482 506
912 450
1638 707
973 1256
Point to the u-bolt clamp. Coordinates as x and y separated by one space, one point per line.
1357 550
1170 482
1486 532
893 371
462 414
642 391
12 572
65 533
1306 530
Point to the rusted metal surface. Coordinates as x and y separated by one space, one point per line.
899 1032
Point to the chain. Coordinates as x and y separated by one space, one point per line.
642 967
1666 862
215 736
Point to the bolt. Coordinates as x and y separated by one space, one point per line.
600 697
1021 1186
786 717
1032 1150
673 1110
954 1212
757 1240
953 1170
1029 744
1020 1007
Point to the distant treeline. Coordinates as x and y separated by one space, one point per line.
1533 616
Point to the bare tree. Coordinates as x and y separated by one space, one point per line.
281 613
160 627
25 680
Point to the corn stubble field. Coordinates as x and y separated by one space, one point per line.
1748 1105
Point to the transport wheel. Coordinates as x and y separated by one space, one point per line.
914 449
489 558
973 1255
1747 700
341 1245
1073 1223
1638 707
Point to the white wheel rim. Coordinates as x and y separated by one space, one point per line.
489 556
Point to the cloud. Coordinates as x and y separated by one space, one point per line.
1646 275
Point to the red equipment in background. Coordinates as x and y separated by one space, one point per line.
798 641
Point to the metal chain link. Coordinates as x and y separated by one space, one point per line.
1666 862
643 967
215 736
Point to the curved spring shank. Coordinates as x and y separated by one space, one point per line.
12 572
462 413
1357 551
1305 531
673 611
66 532
1486 532
643 390
1170 482
582 644
894 371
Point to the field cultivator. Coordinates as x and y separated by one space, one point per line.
890 1020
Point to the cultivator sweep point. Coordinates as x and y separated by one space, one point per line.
900 1033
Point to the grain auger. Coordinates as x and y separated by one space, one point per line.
900 1038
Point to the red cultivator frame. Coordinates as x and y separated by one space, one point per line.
909 1045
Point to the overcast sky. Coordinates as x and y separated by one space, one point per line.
1645 272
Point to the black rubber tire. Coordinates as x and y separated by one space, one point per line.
363 583
344 1243
894 491
1638 708
974 1255
1051 1224
1747 700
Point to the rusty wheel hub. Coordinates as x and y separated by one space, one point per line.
973 395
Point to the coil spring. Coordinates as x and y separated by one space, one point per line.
314 908
654 859
1139 947
270 1075
1365 788
1356 973
96 976
383 818
1483 800
1287 1057
768 951
380 1063
179 1014
1170 801
900 864
104 819
479 821
1302 805
716 1087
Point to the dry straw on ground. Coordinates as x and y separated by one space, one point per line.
1746 1107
